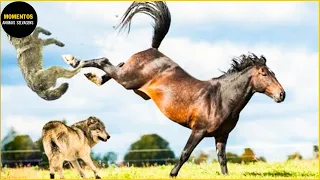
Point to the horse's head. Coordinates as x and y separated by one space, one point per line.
264 81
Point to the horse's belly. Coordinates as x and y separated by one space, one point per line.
170 105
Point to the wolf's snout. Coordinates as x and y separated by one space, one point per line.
102 139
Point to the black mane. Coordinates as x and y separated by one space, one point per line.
244 61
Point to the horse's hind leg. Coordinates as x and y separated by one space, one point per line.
100 80
128 76
193 141
49 41
97 63
39 30
221 142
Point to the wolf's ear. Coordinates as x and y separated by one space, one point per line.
91 120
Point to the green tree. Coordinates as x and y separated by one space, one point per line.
203 157
64 121
109 158
248 156
20 142
9 137
315 152
233 158
295 156
262 159
156 148
24 143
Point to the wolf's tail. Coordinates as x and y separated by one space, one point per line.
54 94
158 10
49 141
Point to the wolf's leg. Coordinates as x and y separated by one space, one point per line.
51 170
56 163
52 41
55 72
39 30
87 159
76 165
61 171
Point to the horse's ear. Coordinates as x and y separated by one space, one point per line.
91 120
262 71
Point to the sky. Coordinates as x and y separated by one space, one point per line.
203 38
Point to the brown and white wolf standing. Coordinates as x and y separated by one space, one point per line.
69 143
30 61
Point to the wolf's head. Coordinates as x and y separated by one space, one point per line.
97 129
16 42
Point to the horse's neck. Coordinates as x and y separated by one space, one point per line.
236 90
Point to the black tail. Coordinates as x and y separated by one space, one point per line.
158 10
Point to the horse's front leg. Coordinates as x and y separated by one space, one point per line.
221 142
39 30
194 139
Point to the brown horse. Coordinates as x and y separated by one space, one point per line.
209 108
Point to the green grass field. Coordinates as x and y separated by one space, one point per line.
294 169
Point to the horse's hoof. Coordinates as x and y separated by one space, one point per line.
90 75
120 64
69 59
173 175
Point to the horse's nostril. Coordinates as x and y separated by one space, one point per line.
282 94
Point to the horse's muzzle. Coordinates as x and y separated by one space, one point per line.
281 97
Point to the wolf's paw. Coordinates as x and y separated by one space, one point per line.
46 32
71 60
94 78
60 44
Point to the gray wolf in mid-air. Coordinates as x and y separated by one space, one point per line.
69 143
30 61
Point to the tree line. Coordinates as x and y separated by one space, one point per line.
150 149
